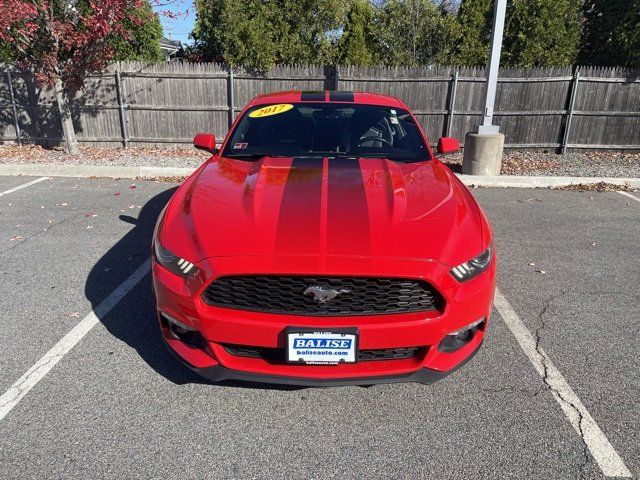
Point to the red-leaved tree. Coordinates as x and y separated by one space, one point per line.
63 41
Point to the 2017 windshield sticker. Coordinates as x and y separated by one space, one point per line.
271 110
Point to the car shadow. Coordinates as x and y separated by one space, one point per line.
133 321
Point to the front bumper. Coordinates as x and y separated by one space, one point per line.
219 373
219 327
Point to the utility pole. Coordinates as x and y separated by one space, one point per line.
491 83
483 147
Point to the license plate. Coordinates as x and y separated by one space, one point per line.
321 347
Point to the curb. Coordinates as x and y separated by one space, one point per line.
524 181
92 171
508 181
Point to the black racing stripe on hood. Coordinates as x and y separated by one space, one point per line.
298 230
348 229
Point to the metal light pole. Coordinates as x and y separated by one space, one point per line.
499 11
483 147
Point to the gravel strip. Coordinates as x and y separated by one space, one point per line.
574 164
532 163
120 157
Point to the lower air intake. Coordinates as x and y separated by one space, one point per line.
278 355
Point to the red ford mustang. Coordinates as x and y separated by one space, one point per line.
323 244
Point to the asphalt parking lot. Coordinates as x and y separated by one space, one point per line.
111 402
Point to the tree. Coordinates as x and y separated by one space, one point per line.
611 33
358 37
6 52
415 32
144 41
143 45
475 19
258 34
537 33
541 33
208 30
63 41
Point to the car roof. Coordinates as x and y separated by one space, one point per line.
296 96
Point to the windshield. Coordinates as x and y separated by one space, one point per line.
326 129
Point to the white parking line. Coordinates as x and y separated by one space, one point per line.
21 387
601 449
24 185
627 194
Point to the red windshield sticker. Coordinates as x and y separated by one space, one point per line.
240 146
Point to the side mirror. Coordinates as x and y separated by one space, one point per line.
205 141
448 145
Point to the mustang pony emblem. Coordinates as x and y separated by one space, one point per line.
323 295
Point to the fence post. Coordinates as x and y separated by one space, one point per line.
230 97
452 103
16 122
572 102
121 107
336 77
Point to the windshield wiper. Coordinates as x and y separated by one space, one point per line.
255 155
395 158
398 158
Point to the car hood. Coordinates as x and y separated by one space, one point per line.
323 207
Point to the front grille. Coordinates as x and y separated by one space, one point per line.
278 355
357 295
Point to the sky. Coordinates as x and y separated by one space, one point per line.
178 28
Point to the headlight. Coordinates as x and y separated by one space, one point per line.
473 267
172 262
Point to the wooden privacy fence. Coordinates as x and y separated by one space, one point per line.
150 104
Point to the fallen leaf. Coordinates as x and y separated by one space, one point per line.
132 186
89 227
593 244
531 264
132 206
541 271
18 226
90 215
75 314
64 204
117 194
17 237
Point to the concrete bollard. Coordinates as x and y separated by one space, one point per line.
482 154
